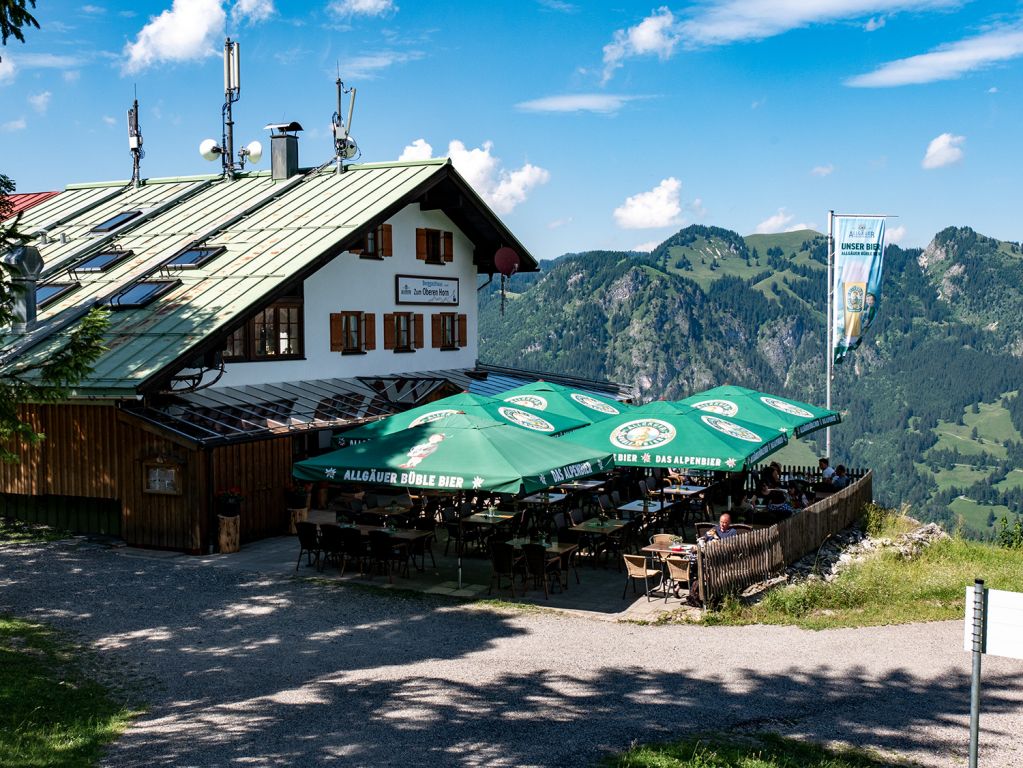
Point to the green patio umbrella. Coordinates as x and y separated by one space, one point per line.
663 434
565 401
796 418
489 408
458 453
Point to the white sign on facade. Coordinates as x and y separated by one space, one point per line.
1003 626
410 289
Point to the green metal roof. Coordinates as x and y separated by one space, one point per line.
275 233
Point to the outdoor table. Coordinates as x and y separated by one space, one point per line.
493 518
404 535
596 527
561 548
581 485
665 549
682 490
546 497
639 506
389 511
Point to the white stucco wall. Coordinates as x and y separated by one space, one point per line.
349 283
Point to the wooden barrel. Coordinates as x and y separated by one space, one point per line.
230 533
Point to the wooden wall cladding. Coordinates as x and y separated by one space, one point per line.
261 470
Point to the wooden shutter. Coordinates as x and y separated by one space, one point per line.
369 331
337 333
417 323
385 240
463 323
389 331
436 331
448 248
421 244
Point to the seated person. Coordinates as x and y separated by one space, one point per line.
723 530
841 478
827 475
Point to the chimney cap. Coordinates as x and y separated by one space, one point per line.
283 128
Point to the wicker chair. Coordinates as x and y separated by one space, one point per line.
503 562
309 543
678 574
635 570
542 567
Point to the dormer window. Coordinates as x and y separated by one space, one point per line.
434 246
193 258
102 261
116 221
49 293
141 294
275 332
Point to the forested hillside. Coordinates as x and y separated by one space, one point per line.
930 400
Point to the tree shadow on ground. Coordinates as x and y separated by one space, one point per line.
257 671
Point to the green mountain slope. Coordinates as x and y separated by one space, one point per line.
708 307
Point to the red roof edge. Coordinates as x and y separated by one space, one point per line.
22 202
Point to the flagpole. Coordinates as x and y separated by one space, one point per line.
828 352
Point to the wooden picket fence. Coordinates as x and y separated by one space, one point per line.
728 567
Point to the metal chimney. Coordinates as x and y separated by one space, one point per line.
283 149
25 265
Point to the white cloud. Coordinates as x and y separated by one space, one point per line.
14 125
646 247
993 89
946 62
720 22
559 223
656 34
417 150
895 235
660 207
253 11
72 76
501 188
7 70
559 5
362 7
40 101
189 30
874 23
368 67
93 9
12 64
109 120
943 150
698 209
822 170
604 103
779 222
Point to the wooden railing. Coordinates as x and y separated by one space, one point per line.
730 566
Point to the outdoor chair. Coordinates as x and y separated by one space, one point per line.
352 548
386 554
662 539
678 574
308 542
542 567
331 545
636 569
421 547
371 501
567 560
503 562
458 532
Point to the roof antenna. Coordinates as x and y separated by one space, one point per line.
345 147
135 142
208 148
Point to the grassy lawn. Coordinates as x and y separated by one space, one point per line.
753 751
51 714
961 476
975 514
17 532
885 589
1012 480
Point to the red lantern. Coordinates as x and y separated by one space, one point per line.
506 261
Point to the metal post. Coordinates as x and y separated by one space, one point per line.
829 351
979 632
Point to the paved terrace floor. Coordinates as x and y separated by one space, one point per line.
598 591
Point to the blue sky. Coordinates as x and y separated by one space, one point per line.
585 124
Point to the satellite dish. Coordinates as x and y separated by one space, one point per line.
347 148
254 150
209 149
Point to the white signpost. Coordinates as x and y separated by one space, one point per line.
993 624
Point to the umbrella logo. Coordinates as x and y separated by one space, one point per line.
527 420
530 401
781 405
642 433
733 430
720 407
419 452
426 418
594 404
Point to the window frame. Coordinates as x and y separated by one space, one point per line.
249 337
65 289
116 221
212 252
119 257
173 485
164 287
352 319
376 243
409 331
439 255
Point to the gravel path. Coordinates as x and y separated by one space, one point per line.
242 669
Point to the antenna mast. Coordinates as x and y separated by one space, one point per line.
135 143
232 92
345 147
